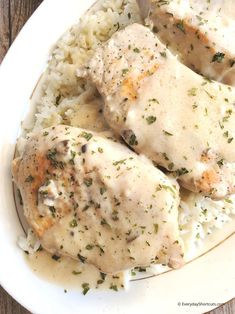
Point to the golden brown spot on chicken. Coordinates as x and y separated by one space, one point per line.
129 88
209 179
130 85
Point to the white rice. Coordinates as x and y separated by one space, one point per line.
62 97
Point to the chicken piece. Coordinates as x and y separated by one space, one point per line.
95 200
180 120
200 32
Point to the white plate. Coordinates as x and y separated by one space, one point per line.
210 278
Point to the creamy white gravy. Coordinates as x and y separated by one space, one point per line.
71 274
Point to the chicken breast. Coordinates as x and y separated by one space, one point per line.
200 32
180 120
95 200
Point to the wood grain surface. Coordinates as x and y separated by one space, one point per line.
13 15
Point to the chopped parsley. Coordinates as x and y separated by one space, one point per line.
82 258
74 272
73 223
220 163
88 182
57 100
167 133
86 135
89 247
102 190
124 71
51 155
113 287
55 257
130 137
29 179
218 57
192 91
104 222
180 26
163 54
136 50
85 287
232 62
151 119
181 172
227 200
103 275
118 162
52 210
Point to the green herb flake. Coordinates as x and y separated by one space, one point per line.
225 134
74 272
156 228
163 54
100 281
82 258
52 210
102 190
85 287
136 50
73 223
192 91
220 163
154 100
232 62
167 133
218 57
119 162
103 275
181 172
133 273
86 135
104 222
165 156
88 182
133 141
125 71
130 137
57 100
151 119
51 155
180 26
55 257
29 179
113 287
89 247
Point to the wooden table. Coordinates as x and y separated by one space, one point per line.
13 15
